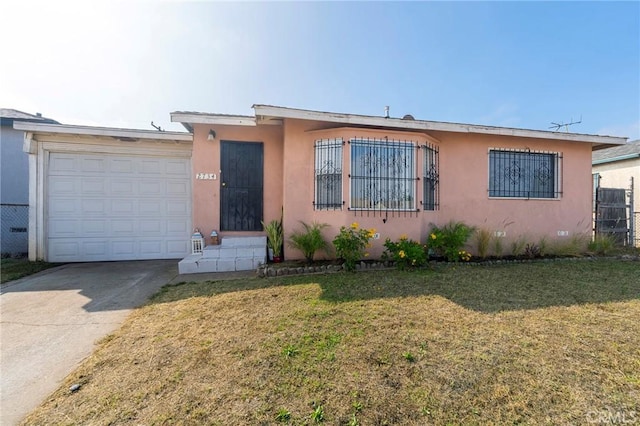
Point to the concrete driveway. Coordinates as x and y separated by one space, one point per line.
51 321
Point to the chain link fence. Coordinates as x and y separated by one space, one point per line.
636 229
15 224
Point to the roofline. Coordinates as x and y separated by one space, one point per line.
101 131
614 159
8 121
190 118
266 112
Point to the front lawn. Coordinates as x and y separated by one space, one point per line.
540 343
12 269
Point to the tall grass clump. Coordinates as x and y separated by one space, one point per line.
309 240
482 240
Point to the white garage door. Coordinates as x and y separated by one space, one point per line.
112 207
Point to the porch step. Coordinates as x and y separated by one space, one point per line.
233 254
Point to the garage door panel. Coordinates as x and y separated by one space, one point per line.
177 208
177 227
95 227
122 166
151 226
151 207
93 186
62 186
121 188
176 247
64 250
122 206
151 188
106 207
177 187
93 207
64 228
63 164
124 248
64 207
151 248
151 166
176 167
95 248
93 165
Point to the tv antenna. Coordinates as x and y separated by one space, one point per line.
557 126
158 128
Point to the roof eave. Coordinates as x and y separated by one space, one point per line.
189 119
124 134
615 159
267 112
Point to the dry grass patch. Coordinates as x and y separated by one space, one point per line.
529 343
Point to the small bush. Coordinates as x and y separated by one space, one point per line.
405 252
449 240
602 244
351 243
310 240
532 251
575 246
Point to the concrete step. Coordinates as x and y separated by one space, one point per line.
233 254
244 242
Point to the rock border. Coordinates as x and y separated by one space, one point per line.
270 270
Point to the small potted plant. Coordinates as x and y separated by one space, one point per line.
275 238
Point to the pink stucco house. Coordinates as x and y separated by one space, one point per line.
394 175
99 194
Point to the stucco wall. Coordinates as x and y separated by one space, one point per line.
463 187
289 182
206 159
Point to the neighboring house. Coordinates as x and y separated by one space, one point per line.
14 191
615 167
395 175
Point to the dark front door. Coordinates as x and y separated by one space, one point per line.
241 186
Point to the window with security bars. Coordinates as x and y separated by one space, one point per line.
382 175
524 174
328 174
430 178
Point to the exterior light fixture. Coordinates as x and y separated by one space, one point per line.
212 135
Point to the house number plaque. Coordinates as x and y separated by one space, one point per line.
206 176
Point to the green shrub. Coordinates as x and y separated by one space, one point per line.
275 235
405 252
449 240
575 246
309 240
602 244
351 243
